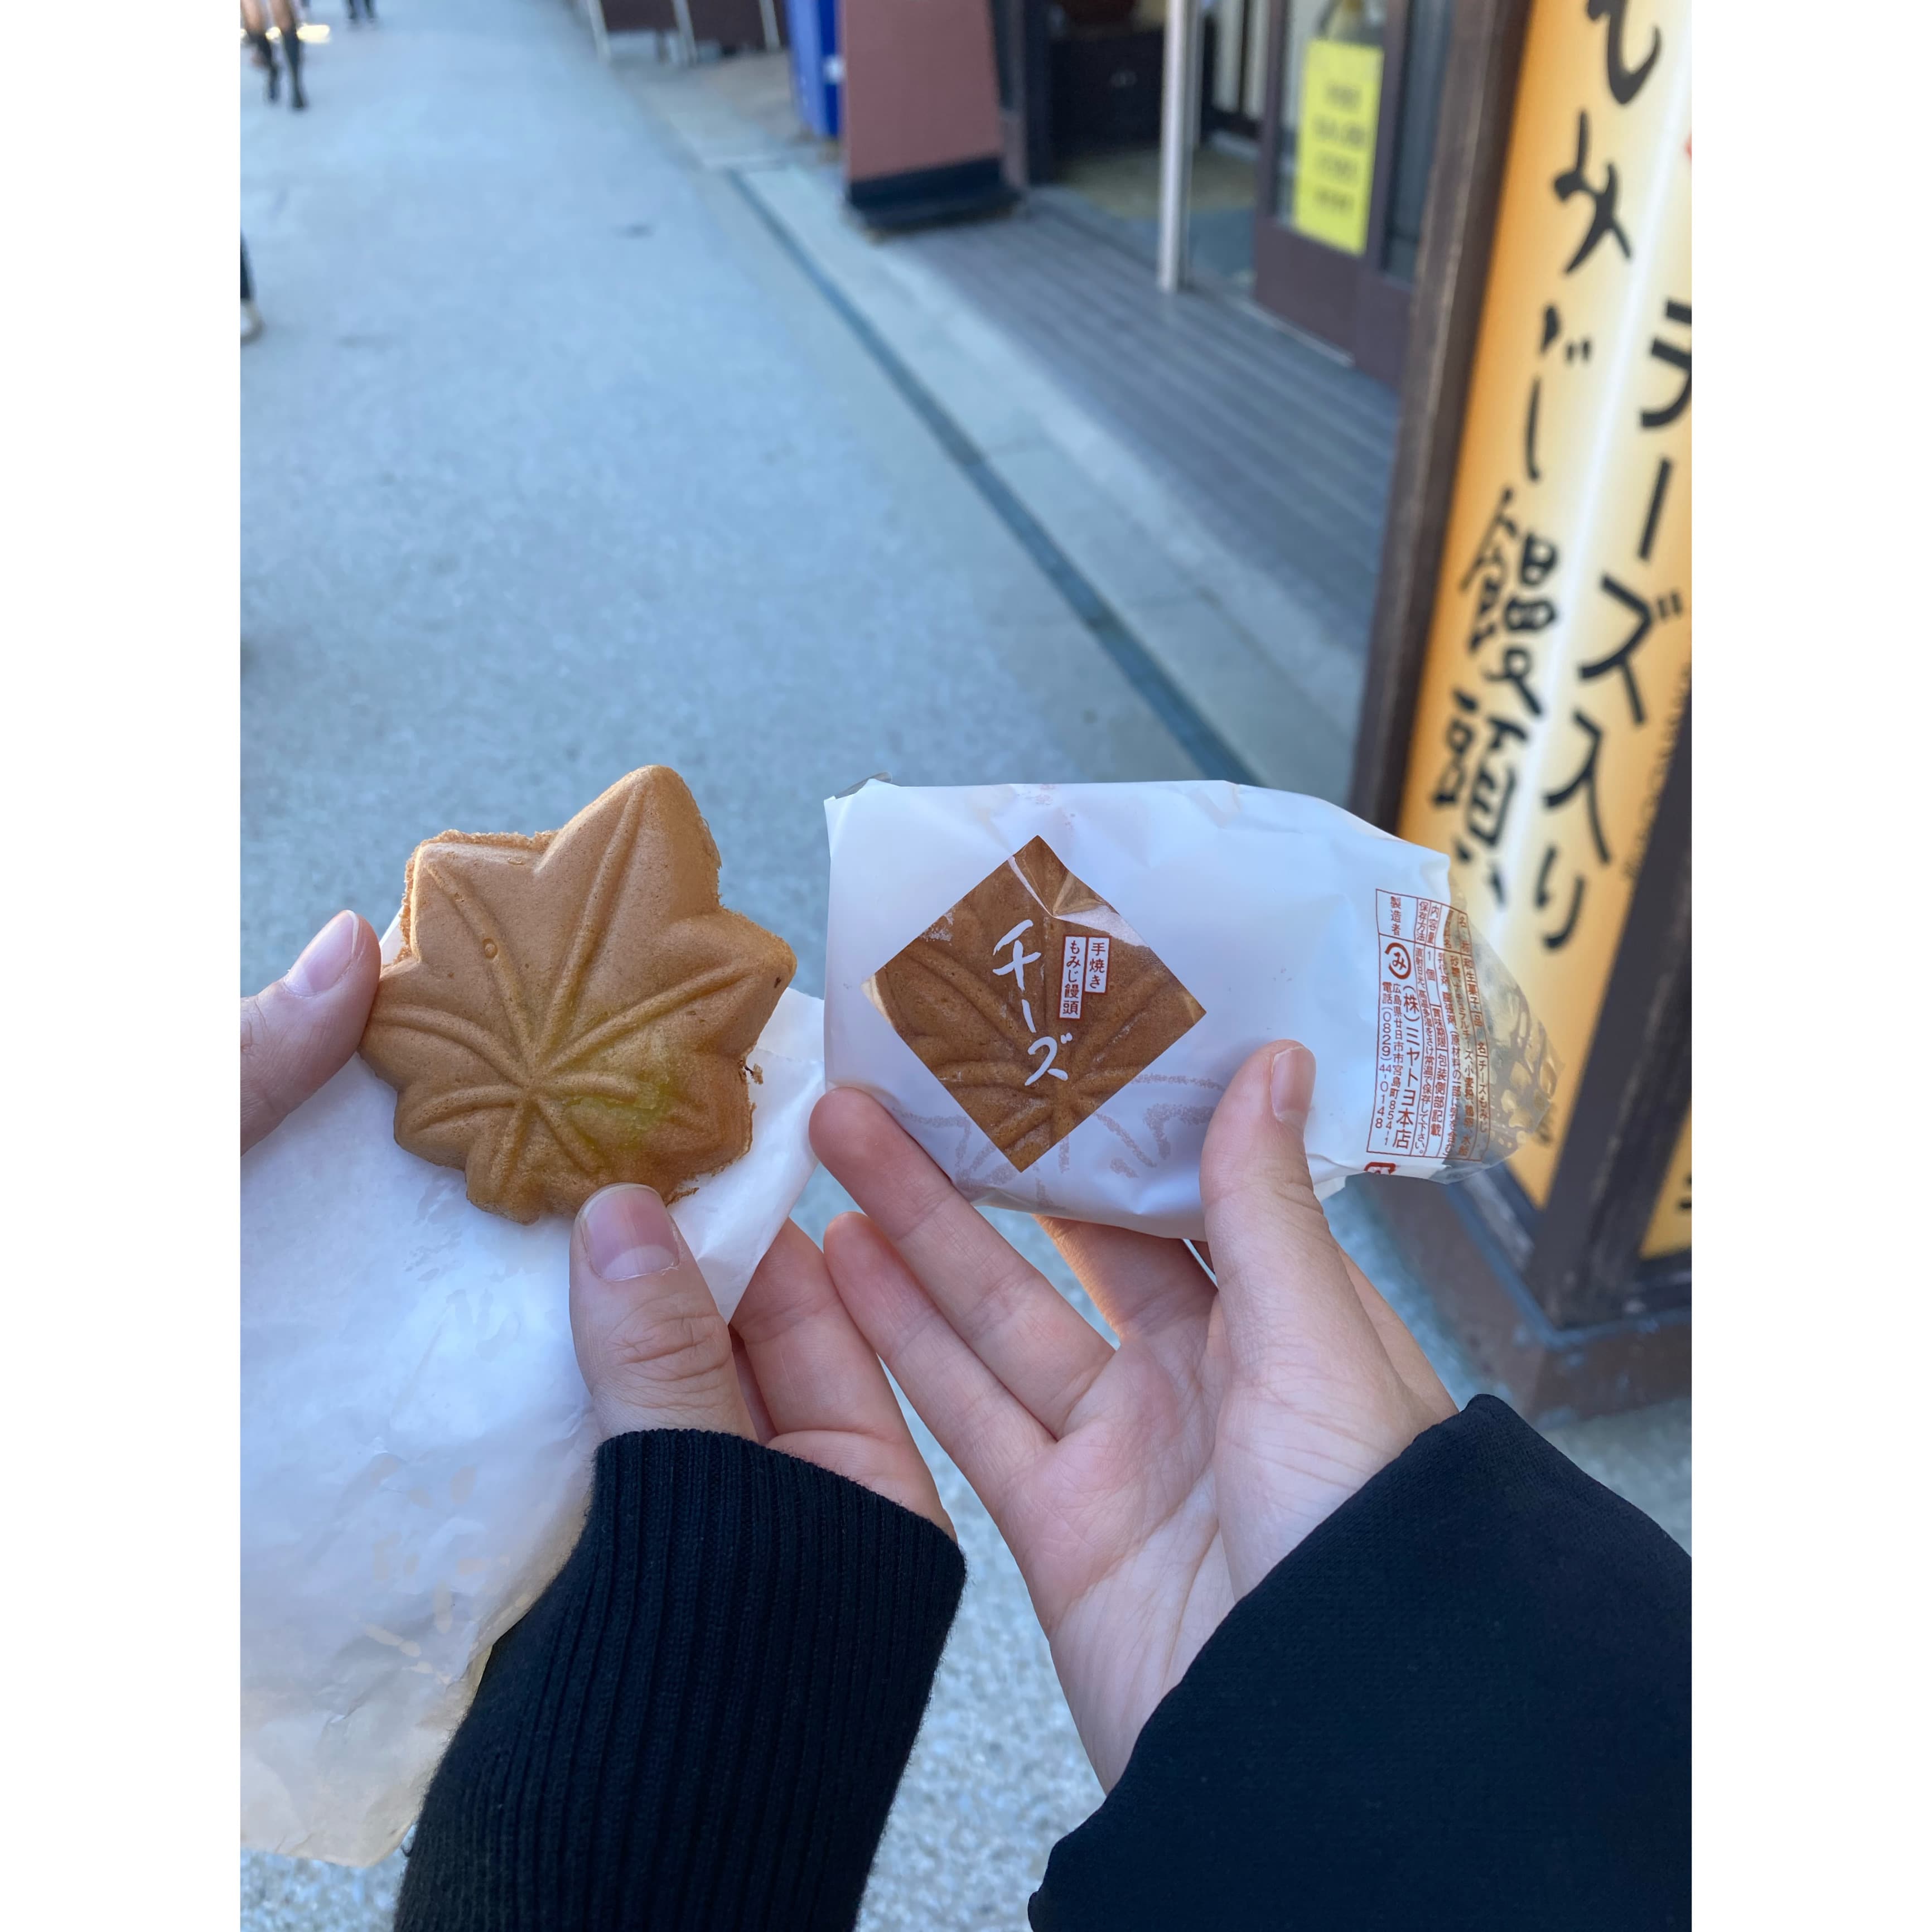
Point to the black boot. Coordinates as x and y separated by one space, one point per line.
264 52
291 47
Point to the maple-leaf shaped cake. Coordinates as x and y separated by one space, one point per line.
574 1009
1033 1003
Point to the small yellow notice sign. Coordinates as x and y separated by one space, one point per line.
1335 153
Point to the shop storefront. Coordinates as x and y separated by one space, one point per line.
1352 93
1311 130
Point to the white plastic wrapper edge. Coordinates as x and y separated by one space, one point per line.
1264 904
416 1451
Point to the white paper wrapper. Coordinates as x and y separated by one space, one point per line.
1284 916
414 1450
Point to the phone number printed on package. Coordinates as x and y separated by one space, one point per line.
1431 1099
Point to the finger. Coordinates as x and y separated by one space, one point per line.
1401 1347
1143 1284
1010 1315
298 1033
1289 1304
822 1389
654 1352
747 1387
979 1423
1410 1363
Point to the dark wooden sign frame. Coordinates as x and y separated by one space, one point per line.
1557 1305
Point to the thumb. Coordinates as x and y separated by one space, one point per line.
1284 1290
654 1352
298 1033
1316 1405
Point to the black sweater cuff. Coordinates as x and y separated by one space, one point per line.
1462 1701
702 1721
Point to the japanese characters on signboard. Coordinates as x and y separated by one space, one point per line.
1559 660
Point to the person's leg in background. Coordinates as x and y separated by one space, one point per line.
255 25
251 316
287 20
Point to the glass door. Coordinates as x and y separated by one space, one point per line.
1348 133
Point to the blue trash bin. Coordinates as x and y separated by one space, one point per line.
816 72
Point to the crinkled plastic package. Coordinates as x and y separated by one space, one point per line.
1050 986
416 1452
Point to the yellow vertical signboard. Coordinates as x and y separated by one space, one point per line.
1335 146
1559 659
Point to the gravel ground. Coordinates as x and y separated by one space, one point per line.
552 467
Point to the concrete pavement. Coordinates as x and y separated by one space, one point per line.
554 464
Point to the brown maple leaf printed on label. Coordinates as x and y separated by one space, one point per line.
1033 1002
574 1009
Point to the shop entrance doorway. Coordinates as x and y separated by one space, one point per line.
1353 91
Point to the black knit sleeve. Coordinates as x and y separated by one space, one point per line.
1463 1701
702 1722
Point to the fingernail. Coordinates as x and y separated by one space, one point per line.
1291 1083
627 1233
324 959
